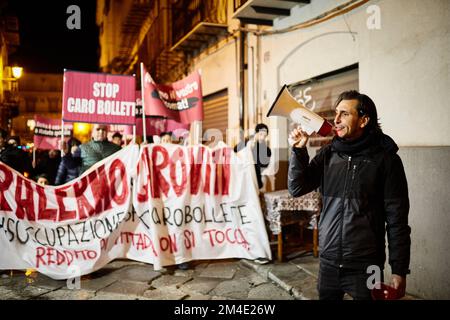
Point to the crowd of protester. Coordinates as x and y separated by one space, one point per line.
57 167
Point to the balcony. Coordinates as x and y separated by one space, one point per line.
264 12
197 24
178 33
138 15
162 62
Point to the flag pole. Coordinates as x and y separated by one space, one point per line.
61 146
198 124
144 131
62 113
134 126
34 157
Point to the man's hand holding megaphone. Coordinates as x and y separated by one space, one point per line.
285 105
298 138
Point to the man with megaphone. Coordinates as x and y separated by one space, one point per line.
364 193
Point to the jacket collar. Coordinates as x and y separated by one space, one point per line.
369 142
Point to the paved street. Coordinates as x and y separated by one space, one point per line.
231 279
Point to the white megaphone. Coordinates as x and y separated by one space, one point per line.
285 105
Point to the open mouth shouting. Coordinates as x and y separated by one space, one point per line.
339 130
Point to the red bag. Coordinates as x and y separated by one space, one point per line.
382 291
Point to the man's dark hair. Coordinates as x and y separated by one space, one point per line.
365 106
261 126
42 175
3 133
15 138
150 139
117 135
162 134
73 142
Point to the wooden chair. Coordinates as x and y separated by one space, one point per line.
281 210
302 219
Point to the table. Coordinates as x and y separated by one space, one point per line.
282 209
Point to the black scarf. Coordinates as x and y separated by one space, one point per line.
365 142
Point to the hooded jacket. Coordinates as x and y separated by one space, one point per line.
68 169
364 194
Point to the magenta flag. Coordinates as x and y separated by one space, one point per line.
180 101
154 125
98 98
47 132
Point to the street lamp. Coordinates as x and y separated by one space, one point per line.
17 72
13 73
81 131
31 123
9 107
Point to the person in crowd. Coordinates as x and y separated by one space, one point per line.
212 138
97 149
185 139
42 179
12 156
260 150
70 165
49 164
117 138
25 159
364 193
149 139
166 137
54 159
14 141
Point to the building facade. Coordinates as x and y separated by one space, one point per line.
40 93
9 41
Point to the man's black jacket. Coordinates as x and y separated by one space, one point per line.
364 192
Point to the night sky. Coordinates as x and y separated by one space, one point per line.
47 45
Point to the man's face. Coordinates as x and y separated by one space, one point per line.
99 132
42 181
117 141
166 139
261 135
349 125
52 154
12 142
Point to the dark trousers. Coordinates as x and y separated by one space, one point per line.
334 282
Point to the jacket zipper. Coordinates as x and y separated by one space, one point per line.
341 265
353 176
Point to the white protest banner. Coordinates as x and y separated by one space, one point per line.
191 203
197 203
55 229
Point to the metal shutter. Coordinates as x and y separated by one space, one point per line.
215 112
